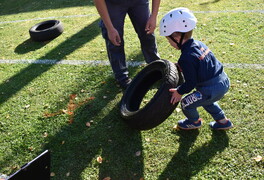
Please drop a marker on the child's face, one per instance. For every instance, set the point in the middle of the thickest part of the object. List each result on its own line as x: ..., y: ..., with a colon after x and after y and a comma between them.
x: 173, y: 44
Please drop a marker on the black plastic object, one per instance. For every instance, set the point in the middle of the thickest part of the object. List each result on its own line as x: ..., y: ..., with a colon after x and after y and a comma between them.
x: 38, y: 168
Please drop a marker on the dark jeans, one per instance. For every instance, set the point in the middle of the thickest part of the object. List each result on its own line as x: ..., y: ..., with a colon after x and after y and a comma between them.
x: 138, y: 11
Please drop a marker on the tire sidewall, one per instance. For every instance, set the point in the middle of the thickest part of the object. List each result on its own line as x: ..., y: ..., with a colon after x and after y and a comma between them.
x: 48, y: 33
x: 160, y: 102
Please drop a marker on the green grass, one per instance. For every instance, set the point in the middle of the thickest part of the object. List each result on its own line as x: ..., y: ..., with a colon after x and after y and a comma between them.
x: 28, y: 93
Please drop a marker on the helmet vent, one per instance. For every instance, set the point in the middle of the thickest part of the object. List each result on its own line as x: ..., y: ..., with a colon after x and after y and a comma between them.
x: 183, y: 21
x: 163, y: 20
x: 185, y: 25
x: 171, y: 15
x: 180, y: 12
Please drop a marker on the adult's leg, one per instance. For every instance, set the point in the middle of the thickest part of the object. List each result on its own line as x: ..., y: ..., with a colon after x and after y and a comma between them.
x: 116, y: 54
x: 139, y: 14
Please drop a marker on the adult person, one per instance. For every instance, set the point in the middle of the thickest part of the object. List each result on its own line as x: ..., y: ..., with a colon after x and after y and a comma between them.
x: 113, y: 13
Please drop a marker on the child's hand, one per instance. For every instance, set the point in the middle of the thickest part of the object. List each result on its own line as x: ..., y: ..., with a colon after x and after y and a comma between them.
x: 176, y: 97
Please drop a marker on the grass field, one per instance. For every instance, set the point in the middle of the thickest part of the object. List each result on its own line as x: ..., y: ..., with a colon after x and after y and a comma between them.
x: 73, y: 110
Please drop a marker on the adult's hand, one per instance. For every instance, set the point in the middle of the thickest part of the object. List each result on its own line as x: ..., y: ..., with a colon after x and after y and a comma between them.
x: 112, y: 33
x: 151, y: 25
x: 114, y: 37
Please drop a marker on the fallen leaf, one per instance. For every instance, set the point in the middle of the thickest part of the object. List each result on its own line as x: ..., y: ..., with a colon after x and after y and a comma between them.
x: 99, y: 159
x: 107, y: 178
x: 62, y: 142
x: 73, y: 96
x: 175, y: 128
x: 71, y: 106
x: 27, y: 106
x: 258, y: 158
x: 46, y: 115
x: 68, y: 174
x: 91, y: 98
x: 70, y: 113
x: 178, y: 109
x: 45, y: 134
x: 71, y: 120
x: 147, y: 139
x: 88, y: 124
x: 52, y: 174
x: 15, y: 167
x: 138, y: 153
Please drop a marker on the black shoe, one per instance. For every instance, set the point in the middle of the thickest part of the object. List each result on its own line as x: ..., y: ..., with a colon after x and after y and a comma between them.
x: 125, y: 83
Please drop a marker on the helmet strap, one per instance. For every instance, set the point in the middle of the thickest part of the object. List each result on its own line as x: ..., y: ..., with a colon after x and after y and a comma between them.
x: 179, y: 44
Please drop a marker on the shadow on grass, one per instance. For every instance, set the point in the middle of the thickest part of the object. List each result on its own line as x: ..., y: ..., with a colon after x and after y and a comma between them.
x: 7, y: 6
x: 107, y: 137
x: 185, y: 165
x: 75, y: 147
x: 137, y: 57
x: 29, y: 45
x: 211, y: 2
x: 26, y: 75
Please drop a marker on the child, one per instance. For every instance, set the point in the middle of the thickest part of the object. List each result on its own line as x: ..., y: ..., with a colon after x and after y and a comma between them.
x: 201, y: 70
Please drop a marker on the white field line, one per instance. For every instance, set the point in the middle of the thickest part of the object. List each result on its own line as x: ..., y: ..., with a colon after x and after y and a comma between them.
x: 130, y: 63
x: 106, y: 63
x: 87, y: 15
x: 46, y: 18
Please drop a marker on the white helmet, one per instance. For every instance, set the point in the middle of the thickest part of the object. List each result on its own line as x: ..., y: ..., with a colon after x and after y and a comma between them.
x: 177, y: 20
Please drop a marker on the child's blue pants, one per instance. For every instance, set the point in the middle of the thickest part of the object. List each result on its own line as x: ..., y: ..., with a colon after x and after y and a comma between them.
x: 207, y: 95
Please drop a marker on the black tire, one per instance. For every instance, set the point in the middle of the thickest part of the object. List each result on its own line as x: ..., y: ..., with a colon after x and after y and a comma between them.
x: 46, y: 30
x: 159, y: 108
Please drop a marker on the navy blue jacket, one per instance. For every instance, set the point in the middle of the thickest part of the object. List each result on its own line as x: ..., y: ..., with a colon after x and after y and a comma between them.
x: 198, y: 64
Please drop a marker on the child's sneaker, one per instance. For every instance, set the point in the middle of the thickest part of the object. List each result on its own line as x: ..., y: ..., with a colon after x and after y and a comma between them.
x: 221, y: 126
x: 188, y: 125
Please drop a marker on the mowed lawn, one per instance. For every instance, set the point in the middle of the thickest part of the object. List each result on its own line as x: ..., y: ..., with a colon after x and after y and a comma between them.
x: 73, y: 110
